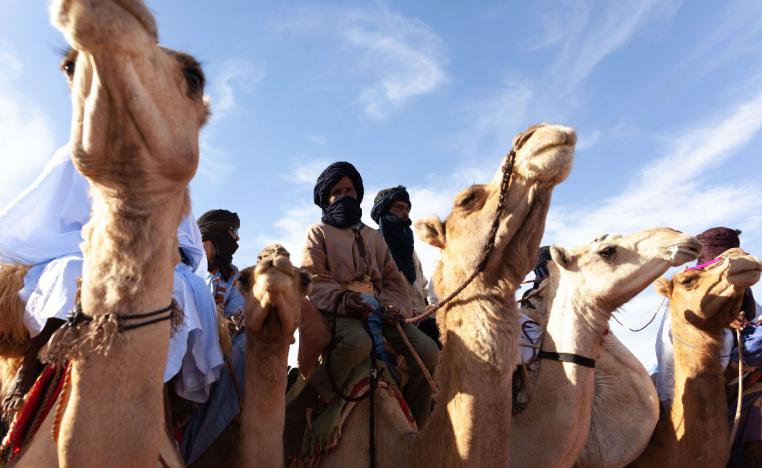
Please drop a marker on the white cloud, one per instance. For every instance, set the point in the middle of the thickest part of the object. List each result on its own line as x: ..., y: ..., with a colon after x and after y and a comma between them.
x: 26, y: 135
x: 307, y: 171
x: 597, y: 32
x: 234, y: 76
x: 402, y: 58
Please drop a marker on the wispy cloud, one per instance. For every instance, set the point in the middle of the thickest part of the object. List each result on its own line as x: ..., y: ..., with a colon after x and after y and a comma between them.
x: 26, y: 135
x: 400, y: 58
x: 594, y: 31
x: 233, y: 78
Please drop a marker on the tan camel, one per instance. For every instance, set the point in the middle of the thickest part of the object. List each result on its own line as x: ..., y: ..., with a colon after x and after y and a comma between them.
x: 471, y: 419
x: 138, y: 109
x: 585, y: 286
x: 702, y: 303
x: 273, y: 289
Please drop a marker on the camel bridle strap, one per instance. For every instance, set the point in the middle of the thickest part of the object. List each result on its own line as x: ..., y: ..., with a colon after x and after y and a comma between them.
x: 97, y: 333
x: 567, y: 357
x: 489, y: 246
x: 125, y: 322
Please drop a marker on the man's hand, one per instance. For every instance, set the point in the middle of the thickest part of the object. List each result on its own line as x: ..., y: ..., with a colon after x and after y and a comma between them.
x: 357, y: 307
x: 391, y: 314
x: 739, y: 322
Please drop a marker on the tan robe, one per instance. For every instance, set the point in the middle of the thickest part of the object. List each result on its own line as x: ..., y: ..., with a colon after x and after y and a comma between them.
x: 333, y: 258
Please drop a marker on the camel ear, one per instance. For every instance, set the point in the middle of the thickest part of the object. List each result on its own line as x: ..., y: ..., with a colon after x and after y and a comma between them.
x: 246, y: 279
x: 431, y: 231
x: 663, y: 286
x: 560, y: 256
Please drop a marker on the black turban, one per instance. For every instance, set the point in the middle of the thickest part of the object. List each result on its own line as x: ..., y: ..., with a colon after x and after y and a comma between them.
x: 216, y: 226
x: 716, y: 240
x: 385, y: 198
x: 331, y: 176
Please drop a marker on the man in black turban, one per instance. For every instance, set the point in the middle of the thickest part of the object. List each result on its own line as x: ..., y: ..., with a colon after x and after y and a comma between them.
x: 339, y: 192
x: 357, y: 287
x: 219, y: 231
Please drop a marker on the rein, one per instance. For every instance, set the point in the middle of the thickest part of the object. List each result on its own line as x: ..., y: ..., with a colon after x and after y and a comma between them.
x: 489, y: 246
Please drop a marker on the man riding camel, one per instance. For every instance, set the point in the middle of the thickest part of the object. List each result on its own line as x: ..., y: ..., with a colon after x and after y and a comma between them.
x: 354, y: 275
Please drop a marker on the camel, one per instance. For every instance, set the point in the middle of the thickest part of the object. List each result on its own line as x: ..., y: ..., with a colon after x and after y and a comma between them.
x: 585, y: 286
x: 471, y: 418
x: 702, y: 302
x: 273, y: 289
x: 137, y: 111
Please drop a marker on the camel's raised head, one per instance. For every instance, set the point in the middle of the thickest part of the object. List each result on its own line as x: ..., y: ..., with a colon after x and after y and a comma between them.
x: 138, y: 107
x: 612, y: 269
x: 709, y: 296
x: 273, y: 290
x: 540, y: 158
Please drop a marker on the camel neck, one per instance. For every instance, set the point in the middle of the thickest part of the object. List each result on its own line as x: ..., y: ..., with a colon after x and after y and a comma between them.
x: 472, y: 414
x: 264, y: 407
x: 128, y: 269
x: 574, y: 325
x: 699, y: 396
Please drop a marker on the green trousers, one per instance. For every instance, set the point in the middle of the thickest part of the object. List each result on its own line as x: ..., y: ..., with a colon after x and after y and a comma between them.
x: 352, y: 347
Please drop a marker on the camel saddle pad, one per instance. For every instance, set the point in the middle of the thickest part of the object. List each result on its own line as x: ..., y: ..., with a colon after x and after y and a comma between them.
x: 324, y: 430
x: 37, y: 404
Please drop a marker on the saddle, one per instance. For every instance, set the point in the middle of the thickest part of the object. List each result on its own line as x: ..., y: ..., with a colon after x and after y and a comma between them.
x: 325, y: 423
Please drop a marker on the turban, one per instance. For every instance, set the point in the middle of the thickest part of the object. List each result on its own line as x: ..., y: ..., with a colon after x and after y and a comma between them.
x: 215, y: 226
x: 331, y: 176
x: 385, y: 198
x: 715, y: 241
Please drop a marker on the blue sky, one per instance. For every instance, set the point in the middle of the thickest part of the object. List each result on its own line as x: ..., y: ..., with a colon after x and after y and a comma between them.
x: 666, y: 98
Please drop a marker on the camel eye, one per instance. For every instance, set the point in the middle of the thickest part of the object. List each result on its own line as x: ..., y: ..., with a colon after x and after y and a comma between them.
x: 195, y: 79
x: 68, y: 68
x: 687, y: 280
x: 467, y: 199
x: 607, y: 252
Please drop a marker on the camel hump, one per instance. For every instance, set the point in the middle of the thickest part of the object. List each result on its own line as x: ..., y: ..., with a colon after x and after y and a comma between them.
x: 14, y: 336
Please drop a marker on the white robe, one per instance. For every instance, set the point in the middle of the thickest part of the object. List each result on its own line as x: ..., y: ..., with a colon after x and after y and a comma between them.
x: 42, y: 228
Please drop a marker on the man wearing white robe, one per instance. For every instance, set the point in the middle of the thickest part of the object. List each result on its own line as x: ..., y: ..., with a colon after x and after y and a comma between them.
x: 42, y: 228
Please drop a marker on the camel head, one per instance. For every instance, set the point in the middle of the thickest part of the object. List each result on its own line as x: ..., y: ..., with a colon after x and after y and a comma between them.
x: 709, y: 297
x: 137, y: 106
x: 273, y: 290
x: 543, y: 159
x: 612, y: 269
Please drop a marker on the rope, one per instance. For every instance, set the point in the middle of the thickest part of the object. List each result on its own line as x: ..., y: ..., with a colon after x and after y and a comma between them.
x: 650, y: 321
x: 418, y: 360
x: 737, y: 418
x: 490, y: 244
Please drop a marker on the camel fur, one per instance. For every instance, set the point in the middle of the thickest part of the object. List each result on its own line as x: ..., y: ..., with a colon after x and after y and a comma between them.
x: 702, y: 302
x: 585, y: 286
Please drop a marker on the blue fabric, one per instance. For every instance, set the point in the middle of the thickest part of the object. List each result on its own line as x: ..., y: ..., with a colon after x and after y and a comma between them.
x: 376, y: 328
x: 233, y: 300
x: 751, y: 336
x: 211, y: 418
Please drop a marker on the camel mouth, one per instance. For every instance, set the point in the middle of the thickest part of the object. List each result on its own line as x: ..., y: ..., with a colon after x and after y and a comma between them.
x: 745, y: 277
x: 553, y: 138
x: 685, y: 252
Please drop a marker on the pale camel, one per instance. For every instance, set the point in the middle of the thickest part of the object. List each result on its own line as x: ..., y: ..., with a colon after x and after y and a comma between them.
x: 702, y: 302
x: 585, y: 286
x: 138, y: 109
x: 472, y: 416
x: 273, y: 289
